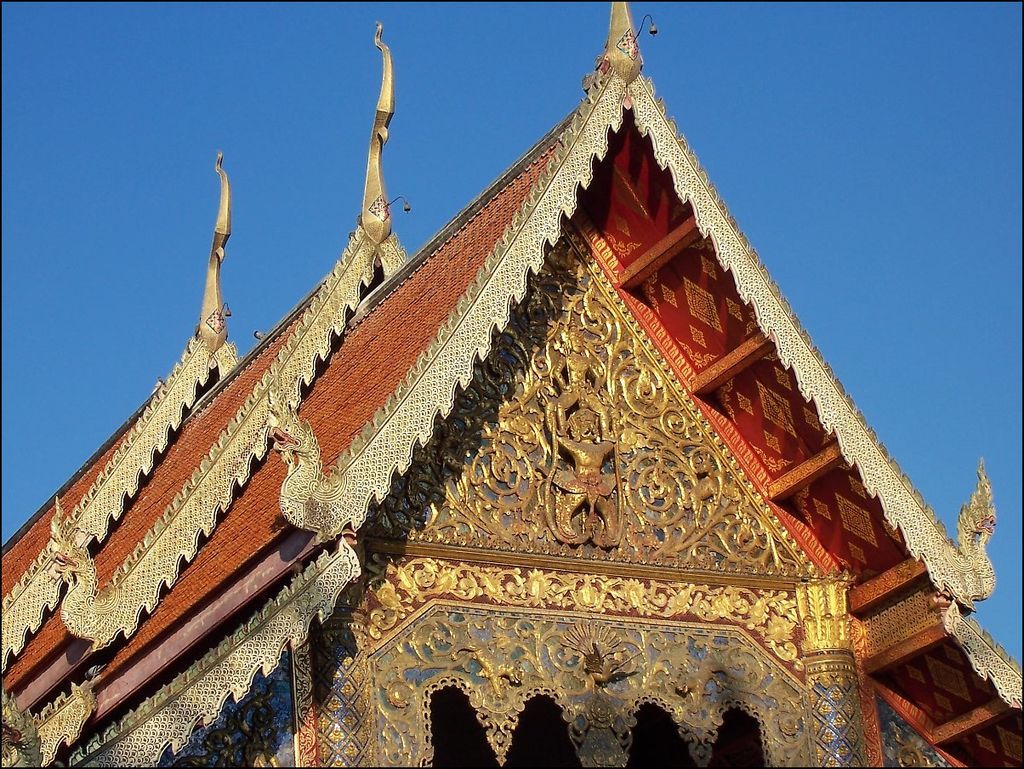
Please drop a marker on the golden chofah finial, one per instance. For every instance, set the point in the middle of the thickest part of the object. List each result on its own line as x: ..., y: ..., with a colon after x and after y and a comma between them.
x: 376, y: 215
x: 213, y: 327
x: 622, y: 52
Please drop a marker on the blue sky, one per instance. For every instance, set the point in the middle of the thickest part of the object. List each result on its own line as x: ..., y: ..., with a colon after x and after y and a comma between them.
x: 871, y: 154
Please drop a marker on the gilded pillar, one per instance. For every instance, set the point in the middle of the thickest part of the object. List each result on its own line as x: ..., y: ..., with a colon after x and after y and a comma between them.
x: 341, y: 685
x: 831, y: 673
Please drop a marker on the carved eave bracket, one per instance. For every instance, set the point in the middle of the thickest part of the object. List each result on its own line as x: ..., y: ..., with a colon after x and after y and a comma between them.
x: 622, y: 51
x: 21, y: 746
x: 213, y: 329
x: 376, y: 214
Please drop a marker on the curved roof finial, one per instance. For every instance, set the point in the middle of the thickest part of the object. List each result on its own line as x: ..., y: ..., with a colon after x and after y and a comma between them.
x: 376, y: 215
x: 213, y: 328
x: 622, y: 52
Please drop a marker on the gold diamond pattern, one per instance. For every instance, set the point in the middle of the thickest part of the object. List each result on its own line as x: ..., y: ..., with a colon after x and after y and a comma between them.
x: 744, y: 403
x: 822, y: 509
x: 782, y: 377
x: 776, y: 409
x: 698, y: 337
x: 707, y: 266
x: 916, y: 674
x: 734, y: 309
x: 856, y: 553
x: 856, y: 520
x: 702, y: 304
x: 669, y: 295
x: 811, y: 418
x: 857, y: 487
x: 943, y: 701
x: 772, y: 442
x: 947, y: 678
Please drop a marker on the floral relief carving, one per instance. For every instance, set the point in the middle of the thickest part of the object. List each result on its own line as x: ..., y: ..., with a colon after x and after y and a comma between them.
x: 543, y: 654
x: 572, y: 439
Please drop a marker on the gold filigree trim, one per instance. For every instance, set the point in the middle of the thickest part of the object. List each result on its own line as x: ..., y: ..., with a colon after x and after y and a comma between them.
x: 135, y: 588
x: 825, y: 615
x: 903, y: 506
x: 61, y: 722
x: 902, y: 620
x: 197, y: 695
x: 598, y: 669
x: 37, y: 591
x: 573, y: 439
x: 988, y: 658
x: 770, y: 615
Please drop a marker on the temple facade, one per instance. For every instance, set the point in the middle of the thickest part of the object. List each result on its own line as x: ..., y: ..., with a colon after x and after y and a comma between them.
x: 569, y: 486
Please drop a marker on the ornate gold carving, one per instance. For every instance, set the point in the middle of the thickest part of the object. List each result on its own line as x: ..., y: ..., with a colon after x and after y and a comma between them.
x: 573, y: 439
x: 376, y: 215
x: 583, y: 488
x: 621, y: 52
x: 309, y: 500
x: 198, y: 694
x: 498, y: 675
x: 38, y: 589
x: 213, y: 329
x: 306, y: 714
x: 604, y: 658
x: 964, y: 572
x: 989, y: 659
x: 770, y: 614
x: 21, y: 744
x: 61, y: 722
x: 825, y: 615
x: 975, y: 524
x: 387, y: 442
x: 552, y: 655
x: 900, y: 621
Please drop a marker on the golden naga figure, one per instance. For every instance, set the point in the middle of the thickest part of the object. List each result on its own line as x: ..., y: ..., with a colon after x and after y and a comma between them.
x: 309, y: 499
x: 975, y: 525
x: 20, y: 738
x: 582, y: 501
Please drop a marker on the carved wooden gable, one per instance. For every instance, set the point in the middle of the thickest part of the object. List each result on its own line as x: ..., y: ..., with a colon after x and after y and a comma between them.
x: 574, y: 439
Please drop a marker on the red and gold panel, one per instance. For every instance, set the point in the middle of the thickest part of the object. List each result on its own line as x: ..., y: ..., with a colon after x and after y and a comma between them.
x: 696, y: 300
x: 850, y: 523
x: 631, y: 200
x: 765, y: 404
x: 942, y: 683
x: 996, y: 745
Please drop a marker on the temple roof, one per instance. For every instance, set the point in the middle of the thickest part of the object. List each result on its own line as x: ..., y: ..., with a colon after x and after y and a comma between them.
x: 370, y: 382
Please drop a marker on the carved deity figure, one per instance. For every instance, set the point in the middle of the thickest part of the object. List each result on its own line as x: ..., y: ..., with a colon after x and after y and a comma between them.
x: 582, y: 500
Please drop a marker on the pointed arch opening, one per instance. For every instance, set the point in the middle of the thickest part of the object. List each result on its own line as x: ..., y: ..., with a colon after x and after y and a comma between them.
x: 456, y: 733
x: 542, y: 737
